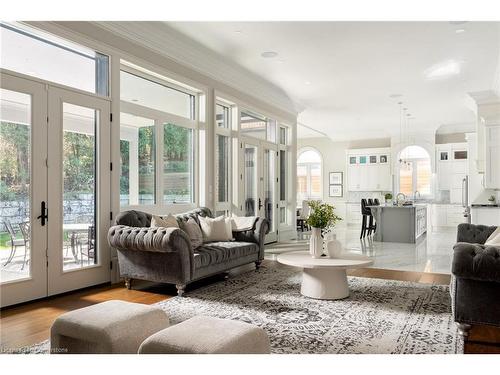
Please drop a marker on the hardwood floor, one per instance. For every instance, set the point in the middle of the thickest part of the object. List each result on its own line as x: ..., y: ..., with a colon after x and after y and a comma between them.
x: 30, y: 323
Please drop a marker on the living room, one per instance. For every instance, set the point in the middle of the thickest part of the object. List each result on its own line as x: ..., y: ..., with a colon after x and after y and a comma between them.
x: 247, y: 185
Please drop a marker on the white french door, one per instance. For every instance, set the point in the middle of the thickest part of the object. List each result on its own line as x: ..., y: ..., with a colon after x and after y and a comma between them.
x: 23, y: 147
x: 260, y: 183
x: 78, y: 198
x: 55, y: 198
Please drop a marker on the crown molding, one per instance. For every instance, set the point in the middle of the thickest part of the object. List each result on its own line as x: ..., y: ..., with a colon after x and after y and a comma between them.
x: 165, y: 41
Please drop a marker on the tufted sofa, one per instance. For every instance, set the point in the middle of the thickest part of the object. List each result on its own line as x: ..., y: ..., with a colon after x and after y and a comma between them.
x: 165, y: 254
x: 475, y: 281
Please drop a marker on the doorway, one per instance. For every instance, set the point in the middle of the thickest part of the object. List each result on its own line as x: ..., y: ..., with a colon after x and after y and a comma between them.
x: 55, y: 189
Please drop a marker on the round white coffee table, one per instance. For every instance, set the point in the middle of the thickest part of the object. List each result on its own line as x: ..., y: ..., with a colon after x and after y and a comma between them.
x: 324, y: 278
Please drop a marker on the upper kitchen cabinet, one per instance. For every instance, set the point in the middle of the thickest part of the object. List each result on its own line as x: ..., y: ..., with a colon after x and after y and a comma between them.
x: 451, y: 167
x: 369, y: 169
x: 492, y: 172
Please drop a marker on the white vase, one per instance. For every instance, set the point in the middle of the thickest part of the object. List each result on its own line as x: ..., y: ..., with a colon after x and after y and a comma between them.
x: 316, y: 243
x: 334, y: 247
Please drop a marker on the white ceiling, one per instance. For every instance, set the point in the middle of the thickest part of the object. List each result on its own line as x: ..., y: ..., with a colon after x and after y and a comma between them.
x: 344, y: 72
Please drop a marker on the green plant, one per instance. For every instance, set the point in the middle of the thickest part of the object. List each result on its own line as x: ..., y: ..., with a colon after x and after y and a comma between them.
x: 322, y: 215
x: 388, y: 196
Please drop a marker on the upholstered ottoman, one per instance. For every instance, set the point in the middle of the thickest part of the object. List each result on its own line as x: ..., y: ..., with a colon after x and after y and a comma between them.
x: 108, y: 327
x: 206, y: 335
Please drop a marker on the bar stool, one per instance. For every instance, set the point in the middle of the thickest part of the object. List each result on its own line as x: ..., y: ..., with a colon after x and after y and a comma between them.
x: 372, y: 224
x: 366, y: 212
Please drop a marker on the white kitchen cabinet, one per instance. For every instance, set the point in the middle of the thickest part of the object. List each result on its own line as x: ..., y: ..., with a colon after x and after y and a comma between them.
x: 447, y: 215
x: 353, y: 213
x: 492, y: 173
x: 485, y: 215
x: 369, y: 170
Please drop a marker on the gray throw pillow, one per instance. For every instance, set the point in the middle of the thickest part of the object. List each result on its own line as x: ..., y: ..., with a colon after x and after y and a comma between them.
x: 193, y: 231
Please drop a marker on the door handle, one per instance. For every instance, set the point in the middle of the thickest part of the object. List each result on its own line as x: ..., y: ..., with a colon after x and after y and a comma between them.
x: 44, y: 213
x: 260, y: 204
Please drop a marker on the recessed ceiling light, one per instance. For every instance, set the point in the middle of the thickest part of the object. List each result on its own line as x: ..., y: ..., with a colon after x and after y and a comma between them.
x: 307, y: 82
x: 460, y: 31
x: 269, y: 54
x: 443, y: 70
x: 135, y: 100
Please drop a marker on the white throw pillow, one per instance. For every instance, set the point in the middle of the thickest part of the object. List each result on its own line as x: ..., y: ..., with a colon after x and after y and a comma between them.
x: 215, y: 229
x: 494, y: 238
x: 166, y: 222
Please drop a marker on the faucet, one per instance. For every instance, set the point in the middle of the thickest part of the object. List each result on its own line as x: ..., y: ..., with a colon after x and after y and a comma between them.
x: 397, y: 197
x: 415, y: 195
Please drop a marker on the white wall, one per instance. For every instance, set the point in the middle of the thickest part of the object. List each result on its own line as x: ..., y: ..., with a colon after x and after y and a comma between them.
x: 334, y: 160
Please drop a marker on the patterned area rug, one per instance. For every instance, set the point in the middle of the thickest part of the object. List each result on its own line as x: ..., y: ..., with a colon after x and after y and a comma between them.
x: 380, y: 316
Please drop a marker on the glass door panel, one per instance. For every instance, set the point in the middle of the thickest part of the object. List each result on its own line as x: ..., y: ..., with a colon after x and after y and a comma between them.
x: 79, y: 186
x: 269, y: 184
x: 23, y: 186
x: 251, y: 193
x: 78, y: 160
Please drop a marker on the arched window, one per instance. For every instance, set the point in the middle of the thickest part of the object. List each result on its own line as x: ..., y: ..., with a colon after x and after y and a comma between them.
x: 308, y: 175
x: 414, y: 171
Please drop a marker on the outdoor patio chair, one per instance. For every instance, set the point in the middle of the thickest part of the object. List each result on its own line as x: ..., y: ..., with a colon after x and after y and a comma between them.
x: 14, y: 242
x: 26, y: 231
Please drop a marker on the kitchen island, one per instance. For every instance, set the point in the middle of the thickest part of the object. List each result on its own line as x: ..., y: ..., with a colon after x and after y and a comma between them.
x: 399, y: 223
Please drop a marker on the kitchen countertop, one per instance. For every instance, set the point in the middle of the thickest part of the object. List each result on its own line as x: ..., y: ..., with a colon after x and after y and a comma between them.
x: 392, y: 206
x: 486, y: 205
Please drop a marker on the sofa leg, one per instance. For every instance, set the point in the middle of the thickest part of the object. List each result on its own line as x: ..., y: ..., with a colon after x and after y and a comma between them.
x: 464, y: 329
x: 257, y: 264
x: 181, y: 288
x: 128, y: 283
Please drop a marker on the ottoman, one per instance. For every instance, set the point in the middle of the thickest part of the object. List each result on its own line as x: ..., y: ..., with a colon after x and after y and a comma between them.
x: 206, y: 335
x: 108, y: 327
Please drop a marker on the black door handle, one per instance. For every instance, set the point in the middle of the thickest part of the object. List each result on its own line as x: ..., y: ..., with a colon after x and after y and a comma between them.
x: 45, y: 213
x: 260, y: 204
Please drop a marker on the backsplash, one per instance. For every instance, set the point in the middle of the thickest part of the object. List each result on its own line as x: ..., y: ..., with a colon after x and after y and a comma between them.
x: 356, y: 196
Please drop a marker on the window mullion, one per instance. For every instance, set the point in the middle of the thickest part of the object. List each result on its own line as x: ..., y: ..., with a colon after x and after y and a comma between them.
x: 159, y: 145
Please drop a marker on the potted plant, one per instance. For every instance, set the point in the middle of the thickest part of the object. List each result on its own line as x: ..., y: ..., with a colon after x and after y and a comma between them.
x: 321, y: 218
x: 388, y: 198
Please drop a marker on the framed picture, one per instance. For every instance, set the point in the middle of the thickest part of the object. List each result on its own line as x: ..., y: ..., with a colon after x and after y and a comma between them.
x: 352, y: 159
x: 335, y: 191
x: 336, y: 178
x: 362, y: 160
x: 373, y: 159
x: 383, y: 158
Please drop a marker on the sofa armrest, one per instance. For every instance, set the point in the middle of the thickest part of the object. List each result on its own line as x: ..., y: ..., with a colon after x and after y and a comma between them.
x: 123, y: 237
x: 256, y: 235
x: 477, y: 262
x: 474, y: 233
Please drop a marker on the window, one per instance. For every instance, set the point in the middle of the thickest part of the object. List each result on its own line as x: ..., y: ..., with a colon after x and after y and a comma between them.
x: 148, y: 129
x: 222, y: 114
x: 177, y: 164
x: 283, y: 169
x: 283, y: 136
x: 35, y: 53
x: 223, y: 155
x: 258, y: 126
x: 308, y: 175
x: 415, y: 171
x: 137, y: 155
x: 222, y: 168
x: 151, y: 94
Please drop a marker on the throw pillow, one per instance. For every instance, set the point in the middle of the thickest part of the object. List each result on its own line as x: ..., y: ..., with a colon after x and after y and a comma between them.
x: 215, y: 229
x: 193, y: 231
x: 166, y: 222
x: 494, y: 238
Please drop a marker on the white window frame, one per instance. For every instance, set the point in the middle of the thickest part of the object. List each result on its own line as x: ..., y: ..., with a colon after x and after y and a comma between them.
x: 226, y: 132
x: 308, y: 178
x: 161, y: 118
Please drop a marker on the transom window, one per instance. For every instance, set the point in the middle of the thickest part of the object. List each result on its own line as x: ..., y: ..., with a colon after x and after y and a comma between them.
x: 38, y: 54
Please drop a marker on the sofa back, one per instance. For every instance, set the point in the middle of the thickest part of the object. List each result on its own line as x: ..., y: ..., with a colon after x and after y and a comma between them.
x: 133, y: 218
x: 472, y: 233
